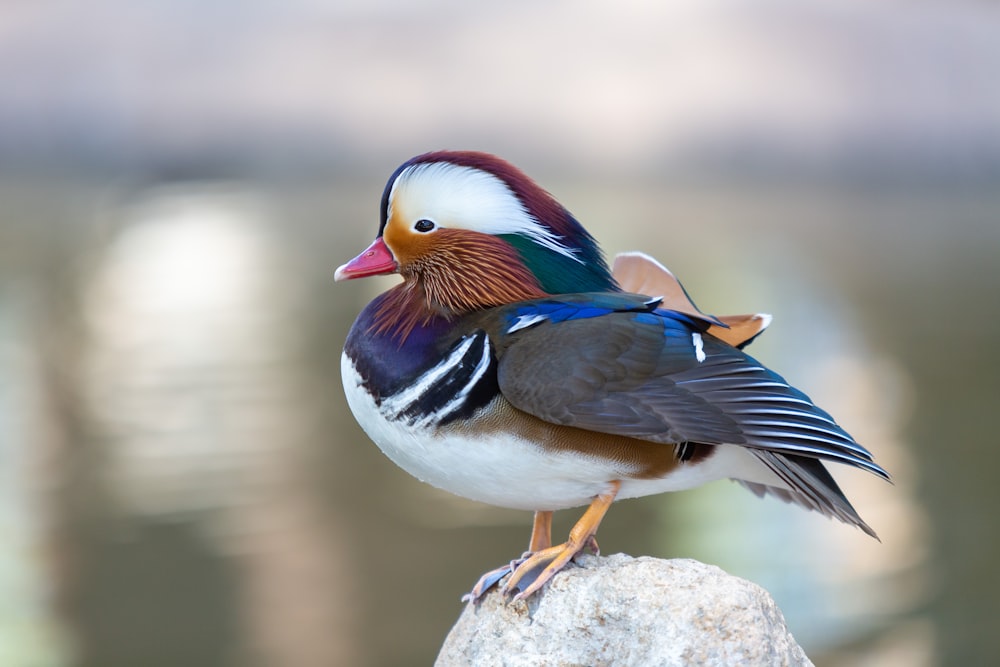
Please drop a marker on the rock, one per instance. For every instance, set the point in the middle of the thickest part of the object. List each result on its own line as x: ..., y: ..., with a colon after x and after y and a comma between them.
x: 620, y: 611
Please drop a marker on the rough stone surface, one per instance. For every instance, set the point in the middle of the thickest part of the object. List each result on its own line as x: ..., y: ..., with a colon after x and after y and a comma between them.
x: 623, y: 611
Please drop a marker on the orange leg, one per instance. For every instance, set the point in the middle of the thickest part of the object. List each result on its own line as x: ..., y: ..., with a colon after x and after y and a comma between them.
x: 542, y: 565
x: 541, y: 538
x: 541, y: 532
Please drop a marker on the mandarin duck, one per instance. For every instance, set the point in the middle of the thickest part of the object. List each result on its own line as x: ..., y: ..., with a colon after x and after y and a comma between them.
x: 513, y: 367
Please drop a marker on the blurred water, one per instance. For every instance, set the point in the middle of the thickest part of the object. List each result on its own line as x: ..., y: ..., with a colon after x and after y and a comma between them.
x: 196, y: 382
x: 180, y: 479
x: 193, y: 490
x: 28, y: 633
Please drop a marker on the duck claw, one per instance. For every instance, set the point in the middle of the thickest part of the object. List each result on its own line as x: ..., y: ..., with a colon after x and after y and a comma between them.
x: 492, y: 578
x: 534, y: 569
x: 485, y: 583
x: 538, y: 569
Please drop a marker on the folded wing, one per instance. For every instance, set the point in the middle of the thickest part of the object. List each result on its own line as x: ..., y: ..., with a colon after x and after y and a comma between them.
x: 660, y: 376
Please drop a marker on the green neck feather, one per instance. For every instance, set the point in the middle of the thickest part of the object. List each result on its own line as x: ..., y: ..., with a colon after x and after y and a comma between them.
x: 559, y: 274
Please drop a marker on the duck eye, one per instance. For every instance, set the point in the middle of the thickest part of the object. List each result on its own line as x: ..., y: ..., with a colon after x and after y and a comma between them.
x: 423, y: 225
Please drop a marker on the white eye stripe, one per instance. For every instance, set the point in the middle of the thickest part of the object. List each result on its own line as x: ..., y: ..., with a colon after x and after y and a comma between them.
x: 460, y: 197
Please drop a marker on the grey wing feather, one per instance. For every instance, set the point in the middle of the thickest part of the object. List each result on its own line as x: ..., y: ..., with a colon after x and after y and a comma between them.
x: 615, y: 375
x: 810, y: 485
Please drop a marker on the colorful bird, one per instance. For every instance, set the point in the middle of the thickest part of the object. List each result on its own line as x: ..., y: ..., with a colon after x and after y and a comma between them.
x: 511, y: 367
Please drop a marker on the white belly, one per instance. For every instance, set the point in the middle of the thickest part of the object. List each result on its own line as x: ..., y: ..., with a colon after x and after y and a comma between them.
x: 509, y: 471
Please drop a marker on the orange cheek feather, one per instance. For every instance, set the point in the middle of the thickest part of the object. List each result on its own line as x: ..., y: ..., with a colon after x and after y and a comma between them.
x: 459, y: 270
x: 405, y: 244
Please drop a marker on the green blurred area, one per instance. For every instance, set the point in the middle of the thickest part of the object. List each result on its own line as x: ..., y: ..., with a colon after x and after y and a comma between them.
x: 181, y: 481
x: 169, y: 513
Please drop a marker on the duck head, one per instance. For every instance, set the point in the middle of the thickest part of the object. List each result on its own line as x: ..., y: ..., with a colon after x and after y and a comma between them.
x: 467, y: 231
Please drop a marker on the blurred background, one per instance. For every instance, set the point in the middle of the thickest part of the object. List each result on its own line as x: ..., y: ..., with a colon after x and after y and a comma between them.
x: 180, y: 480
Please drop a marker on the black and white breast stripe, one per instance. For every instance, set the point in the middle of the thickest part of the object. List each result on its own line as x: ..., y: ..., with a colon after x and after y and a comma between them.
x: 454, y: 388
